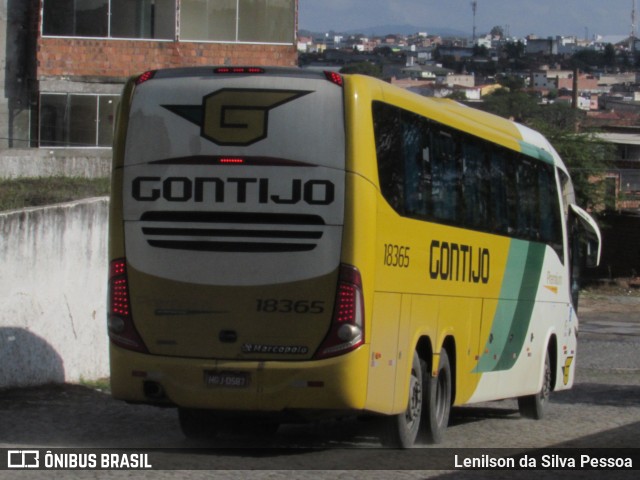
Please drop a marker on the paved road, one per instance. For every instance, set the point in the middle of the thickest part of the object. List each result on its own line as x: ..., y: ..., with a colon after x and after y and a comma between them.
x: 602, y: 410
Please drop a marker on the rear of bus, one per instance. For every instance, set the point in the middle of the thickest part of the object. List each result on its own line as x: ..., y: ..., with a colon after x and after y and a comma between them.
x: 228, y: 289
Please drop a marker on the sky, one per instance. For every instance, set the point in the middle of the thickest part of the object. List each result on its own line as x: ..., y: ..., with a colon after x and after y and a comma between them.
x: 519, y: 18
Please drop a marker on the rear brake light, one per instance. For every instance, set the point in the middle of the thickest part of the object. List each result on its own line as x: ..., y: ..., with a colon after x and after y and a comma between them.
x: 122, y: 331
x: 148, y: 75
x: 231, y: 161
x: 347, y: 325
x: 335, y: 78
x: 238, y: 70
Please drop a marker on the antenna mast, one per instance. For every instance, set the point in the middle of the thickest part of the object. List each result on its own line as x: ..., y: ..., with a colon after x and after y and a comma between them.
x: 633, y: 18
x: 632, y: 40
x: 474, y: 7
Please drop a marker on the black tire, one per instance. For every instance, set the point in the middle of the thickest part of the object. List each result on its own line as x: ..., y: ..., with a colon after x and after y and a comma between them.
x: 535, y: 406
x: 401, y: 431
x: 437, y: 405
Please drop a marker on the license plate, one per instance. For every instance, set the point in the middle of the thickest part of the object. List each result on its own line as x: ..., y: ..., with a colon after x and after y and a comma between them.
x: 227, y: 379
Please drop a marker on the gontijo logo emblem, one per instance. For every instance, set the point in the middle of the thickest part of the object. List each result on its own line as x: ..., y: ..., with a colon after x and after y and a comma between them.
x: 235, y: 116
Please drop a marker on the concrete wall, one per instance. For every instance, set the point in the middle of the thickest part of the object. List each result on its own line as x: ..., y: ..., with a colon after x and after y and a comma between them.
x: 43, y: 162
x: 53, y: 300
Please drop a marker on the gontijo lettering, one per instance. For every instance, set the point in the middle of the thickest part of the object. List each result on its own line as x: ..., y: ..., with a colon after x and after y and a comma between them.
x: 459, y: 263
x: 217, y: 190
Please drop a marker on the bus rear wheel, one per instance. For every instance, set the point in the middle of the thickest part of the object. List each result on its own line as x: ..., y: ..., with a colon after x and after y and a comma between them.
x: 535, y: 406
x: 438, y: 401
x: 401, y: 431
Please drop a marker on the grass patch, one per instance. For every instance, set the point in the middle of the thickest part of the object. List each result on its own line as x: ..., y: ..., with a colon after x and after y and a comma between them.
x: 34, y: 192
x: 100, y: 384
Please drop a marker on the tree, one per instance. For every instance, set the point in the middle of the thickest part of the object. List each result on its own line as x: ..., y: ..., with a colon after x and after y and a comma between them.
x: 609, y: 55
x: 515, y: 50
x: 587, y: 60
x: 497, y: 32
x: 518, y: 106
x: 512, y: 83
x: 363, y: 68
x: 480, y: 51
x: 586, y: 157
x: 458, y: 96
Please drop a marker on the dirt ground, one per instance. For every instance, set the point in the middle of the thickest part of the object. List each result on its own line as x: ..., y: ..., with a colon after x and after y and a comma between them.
x: 615, y: 296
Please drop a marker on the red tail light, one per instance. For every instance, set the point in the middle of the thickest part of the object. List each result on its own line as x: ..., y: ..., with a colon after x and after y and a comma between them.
x: 347, y: 326
x: 122, y: 331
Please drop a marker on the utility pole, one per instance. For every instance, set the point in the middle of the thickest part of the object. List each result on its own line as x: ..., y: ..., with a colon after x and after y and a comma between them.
x: 633, y: 27
x: 633, y: 18
x: 474, y: 7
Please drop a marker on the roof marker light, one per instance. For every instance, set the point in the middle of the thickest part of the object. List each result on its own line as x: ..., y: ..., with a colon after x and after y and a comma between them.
x: 334, y: 77
x: 238, y: 70
x: 148, y: 75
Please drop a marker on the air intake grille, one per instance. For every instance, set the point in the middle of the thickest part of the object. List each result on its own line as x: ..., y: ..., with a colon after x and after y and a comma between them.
x: 232, y: 231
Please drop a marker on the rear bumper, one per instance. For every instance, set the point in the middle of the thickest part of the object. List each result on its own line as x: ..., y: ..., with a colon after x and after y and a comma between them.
x: 338, y: 383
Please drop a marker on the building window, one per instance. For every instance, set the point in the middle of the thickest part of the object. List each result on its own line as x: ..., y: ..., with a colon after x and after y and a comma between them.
x: 213, y: 20
x: 143, y: 19
x: 244, y: 21
x: 250, y: 21
x: 77, y: 18
x: 90, y: 18
x: 266, y: 21
x: 77, y: 120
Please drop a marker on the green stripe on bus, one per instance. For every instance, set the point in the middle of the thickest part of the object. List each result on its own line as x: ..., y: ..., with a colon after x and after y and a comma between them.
x: 510, y: 323
x: 536, y: 152
x: 524, y: 309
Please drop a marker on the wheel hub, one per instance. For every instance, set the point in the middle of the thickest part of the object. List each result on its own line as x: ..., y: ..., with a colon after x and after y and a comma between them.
x: 415, y: 400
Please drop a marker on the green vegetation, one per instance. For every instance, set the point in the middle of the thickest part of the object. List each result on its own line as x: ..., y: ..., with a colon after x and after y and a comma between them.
x: 586, y: 157
x: 364, y: 68
x: 33, y: 192
x: 100, y: 384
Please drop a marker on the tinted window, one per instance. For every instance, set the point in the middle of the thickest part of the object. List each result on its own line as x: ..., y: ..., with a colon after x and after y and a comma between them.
x: 70, y: 120
x: 433, y: 172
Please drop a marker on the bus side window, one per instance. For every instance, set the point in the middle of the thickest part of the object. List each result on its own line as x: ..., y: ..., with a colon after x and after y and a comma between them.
x: 501, y: 185
x: 415, y: 167
x: 388, y: 135
x: 445, y: 162
x: 475, y: 185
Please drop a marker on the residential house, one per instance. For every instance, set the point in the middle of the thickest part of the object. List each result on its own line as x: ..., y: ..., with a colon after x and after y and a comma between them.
x: 624, y: 179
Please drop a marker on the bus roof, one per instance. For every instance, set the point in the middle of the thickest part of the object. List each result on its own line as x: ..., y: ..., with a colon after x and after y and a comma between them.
x: 532, y: 142
x: 529, y: 141
x: 477, y: 122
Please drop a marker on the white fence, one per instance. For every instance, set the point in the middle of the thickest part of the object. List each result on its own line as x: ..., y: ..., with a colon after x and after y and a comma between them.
x: 53, y: 279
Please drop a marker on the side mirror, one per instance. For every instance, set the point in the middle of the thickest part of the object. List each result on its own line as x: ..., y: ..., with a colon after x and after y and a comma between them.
x: 588, y: 238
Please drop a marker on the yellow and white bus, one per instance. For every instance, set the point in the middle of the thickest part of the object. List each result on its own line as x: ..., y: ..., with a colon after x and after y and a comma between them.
x: 286, y: 243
